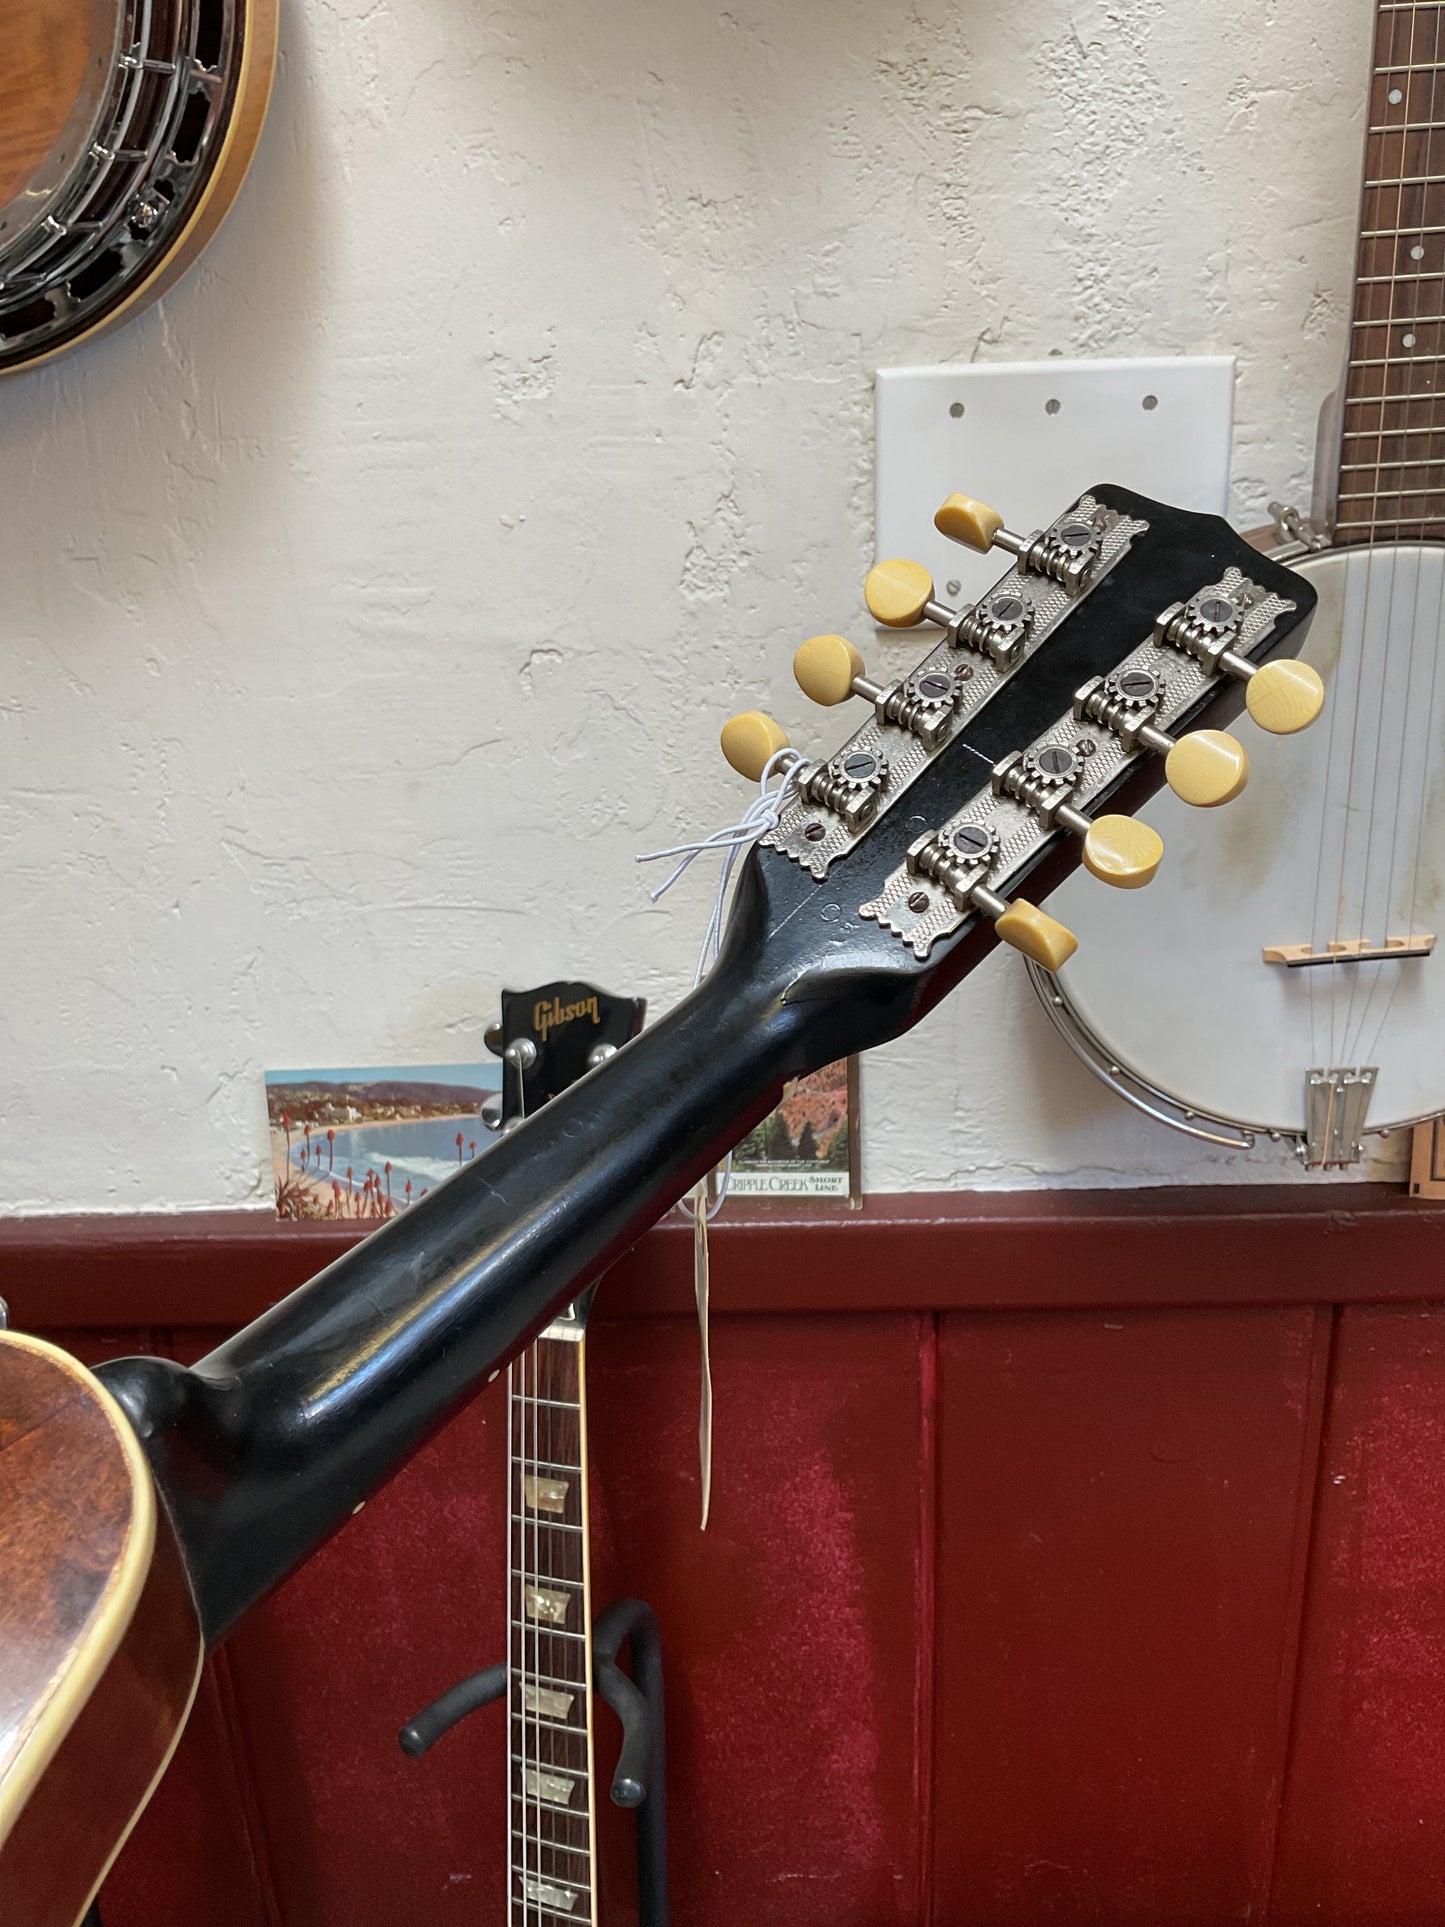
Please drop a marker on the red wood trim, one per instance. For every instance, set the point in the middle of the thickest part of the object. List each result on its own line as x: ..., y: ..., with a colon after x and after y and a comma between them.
x: 954, y: 1251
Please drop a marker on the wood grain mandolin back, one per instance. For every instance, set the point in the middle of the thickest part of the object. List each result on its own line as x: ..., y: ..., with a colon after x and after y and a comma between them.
x: 101, y: 1640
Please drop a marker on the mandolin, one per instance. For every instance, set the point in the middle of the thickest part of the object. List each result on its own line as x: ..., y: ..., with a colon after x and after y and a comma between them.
x: 126, y: 130
x: 1035, y: 721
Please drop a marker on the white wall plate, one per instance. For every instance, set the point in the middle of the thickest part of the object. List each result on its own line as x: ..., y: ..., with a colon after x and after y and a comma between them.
x: 1029, y: 436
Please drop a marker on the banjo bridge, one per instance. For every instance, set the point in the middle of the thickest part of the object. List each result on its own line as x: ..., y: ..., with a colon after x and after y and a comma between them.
x: 1304, y: 956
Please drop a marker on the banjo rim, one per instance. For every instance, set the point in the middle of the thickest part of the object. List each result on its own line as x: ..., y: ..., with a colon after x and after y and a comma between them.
x: 199, y: 210
x: 1112, y: 1067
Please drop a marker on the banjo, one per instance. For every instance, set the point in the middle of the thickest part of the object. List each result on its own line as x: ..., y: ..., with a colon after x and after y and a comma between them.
x: 145, y: 1506
x: 126, y: 129
x: 1315, y: 926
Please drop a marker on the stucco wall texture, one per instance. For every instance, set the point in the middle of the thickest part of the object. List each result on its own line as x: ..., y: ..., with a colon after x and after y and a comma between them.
x: 372, y: 601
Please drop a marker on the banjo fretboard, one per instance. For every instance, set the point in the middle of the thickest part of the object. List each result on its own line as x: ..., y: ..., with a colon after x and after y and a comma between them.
x: 1392, y: 451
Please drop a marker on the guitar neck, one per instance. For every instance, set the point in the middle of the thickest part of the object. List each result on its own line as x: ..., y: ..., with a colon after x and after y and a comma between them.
x: 551, y: 1865
x: 1391, y: 483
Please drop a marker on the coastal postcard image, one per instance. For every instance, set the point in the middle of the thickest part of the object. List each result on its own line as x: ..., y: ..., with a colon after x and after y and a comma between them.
x: 367, y: 1143
x: 808, y: 1146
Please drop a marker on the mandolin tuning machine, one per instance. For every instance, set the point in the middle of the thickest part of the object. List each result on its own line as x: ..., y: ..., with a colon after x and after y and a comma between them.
x: 1281, y: 696
x: 1118, y: 850
x: 1068, y: 551
x: 829, y: 670
x: 941, y: 883
x: 1204, y: 768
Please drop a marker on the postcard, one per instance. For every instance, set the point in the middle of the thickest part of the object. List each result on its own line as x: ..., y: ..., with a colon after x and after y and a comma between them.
x: 808, y: 1146
x: 367, y: 1143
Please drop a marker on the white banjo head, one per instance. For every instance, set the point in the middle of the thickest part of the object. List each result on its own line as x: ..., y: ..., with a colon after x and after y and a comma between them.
x: 1340, y: 837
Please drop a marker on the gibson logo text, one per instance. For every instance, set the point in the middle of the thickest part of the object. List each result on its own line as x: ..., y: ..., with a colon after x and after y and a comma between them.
x: 552, y: 1014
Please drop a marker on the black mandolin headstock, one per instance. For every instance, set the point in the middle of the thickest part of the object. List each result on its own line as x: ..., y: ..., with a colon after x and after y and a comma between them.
x: 1098, y: 667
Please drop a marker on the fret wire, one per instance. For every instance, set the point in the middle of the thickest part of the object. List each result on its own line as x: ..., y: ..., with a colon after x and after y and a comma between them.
x: 558, y: 1579
x: 1406, y: 180
x: 1399, y: 233
x: 552, y: 1726
x: 541, y: 1907
x: 1395, y: 522
x: 1376, y: 280
x: 1403, y: 320
x: 1370, y: 434
x: 1408, y: 127
x: 555, y: 1846
x: 1374, y: 401
x: 534, y: 1519
x: 1408, y: 67
x: 1379, y: 494
x: 535, y: 1678
x: 560, y: 1632
x: 1375, y: 468
x: 560, y: 1404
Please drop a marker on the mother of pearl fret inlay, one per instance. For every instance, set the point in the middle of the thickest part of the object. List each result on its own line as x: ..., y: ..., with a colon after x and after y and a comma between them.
x: 542, y: 1893
x: 544, y: 1495
x: 548, y: 1704
x: 556, y: 1788
x: 543, y: 1604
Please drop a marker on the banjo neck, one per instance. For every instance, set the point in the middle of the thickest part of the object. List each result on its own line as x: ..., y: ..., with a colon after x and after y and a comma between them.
x: 1391, y: 479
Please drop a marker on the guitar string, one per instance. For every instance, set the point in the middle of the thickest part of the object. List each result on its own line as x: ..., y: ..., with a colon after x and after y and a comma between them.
x: 1426, y: 555
x: 1384, y: 32
x: 517, y: 1679
x: 540, y: 1394
x: 528, y: 1827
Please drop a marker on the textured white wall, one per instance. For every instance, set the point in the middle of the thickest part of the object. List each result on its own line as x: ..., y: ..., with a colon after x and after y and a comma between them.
x: 368, y: 604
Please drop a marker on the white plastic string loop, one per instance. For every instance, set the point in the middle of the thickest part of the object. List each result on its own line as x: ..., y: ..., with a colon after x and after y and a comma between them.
x: 706, y: 1200
x: 761, y: 815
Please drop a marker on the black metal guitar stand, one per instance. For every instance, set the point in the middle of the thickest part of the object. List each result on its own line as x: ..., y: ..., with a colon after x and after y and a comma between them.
x: 640, y: 1780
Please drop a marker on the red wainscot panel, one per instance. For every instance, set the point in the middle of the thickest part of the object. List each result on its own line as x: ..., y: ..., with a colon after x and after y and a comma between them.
x: 1123, y: 1515
x: 1363, y: 1835
x: 793, y: 1628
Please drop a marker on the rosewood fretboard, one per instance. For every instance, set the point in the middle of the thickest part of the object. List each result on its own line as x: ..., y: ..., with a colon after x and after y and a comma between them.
x: 549, y: 1689
x: 1392, y: 452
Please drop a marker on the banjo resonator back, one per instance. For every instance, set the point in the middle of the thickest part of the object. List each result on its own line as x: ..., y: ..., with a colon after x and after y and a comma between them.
x: 128, y: 127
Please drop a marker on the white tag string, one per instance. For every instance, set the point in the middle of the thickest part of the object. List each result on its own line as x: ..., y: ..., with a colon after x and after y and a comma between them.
x: 706, y: 1200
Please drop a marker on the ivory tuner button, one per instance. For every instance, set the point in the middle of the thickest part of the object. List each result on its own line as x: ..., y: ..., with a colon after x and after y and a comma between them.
x: 897, y: 592
x: 825, y: 667
x: 974, y: 524
x: 1284, y: 696
x: 1206, y: 768
x: 750, y: 740
x: 1123, y: 851
x: 1036, y: 934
